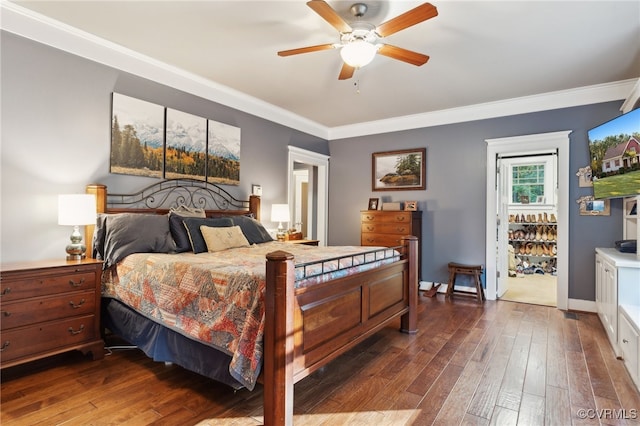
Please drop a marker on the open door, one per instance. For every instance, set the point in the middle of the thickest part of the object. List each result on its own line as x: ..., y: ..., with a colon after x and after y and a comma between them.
x: 502, y: 227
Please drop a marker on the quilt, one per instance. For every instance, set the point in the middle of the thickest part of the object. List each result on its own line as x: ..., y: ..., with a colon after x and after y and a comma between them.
x: 218, y: 298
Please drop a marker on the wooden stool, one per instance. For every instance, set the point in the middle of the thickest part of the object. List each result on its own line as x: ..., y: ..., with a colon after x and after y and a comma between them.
x: 473, y: 270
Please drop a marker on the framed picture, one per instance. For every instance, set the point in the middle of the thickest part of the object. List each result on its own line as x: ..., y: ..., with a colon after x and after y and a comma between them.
x: 402, y: 170
x: 137, y: 137
x: 223, y: 154
x: 186, y: 146
x: 373, y: 203
x: 411, y: 205
x: 591, y: 207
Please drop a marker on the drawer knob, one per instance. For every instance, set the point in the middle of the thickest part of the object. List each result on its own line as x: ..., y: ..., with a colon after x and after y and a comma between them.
x: 625, y: 341
x: 6, y: 291
x: 6, y: 313
x: 76, y: 305
x: 370, y: 228
x: 5, y: 345
x: 72, y: 331
x: 400, y: 218
x: 76, y: 284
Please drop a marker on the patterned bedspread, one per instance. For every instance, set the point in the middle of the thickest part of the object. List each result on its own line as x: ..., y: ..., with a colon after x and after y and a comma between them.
x: 217, y: 298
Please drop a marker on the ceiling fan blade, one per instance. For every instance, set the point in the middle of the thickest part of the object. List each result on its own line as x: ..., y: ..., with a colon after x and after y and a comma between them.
x: 403, y: 55
x: 346, y: 72
x: 407, y: 19
x: 306, y: 49
x: 327, y: 13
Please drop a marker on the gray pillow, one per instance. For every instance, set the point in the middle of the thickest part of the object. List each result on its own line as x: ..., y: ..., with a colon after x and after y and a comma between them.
x: 252, y: 229
x: 128, y: 233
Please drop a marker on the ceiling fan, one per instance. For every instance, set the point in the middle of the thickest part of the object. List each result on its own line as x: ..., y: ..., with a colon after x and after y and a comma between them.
x: 359, y: 41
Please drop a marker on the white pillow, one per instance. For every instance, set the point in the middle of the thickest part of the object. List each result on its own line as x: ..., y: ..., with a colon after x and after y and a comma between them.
x: 223, y: 238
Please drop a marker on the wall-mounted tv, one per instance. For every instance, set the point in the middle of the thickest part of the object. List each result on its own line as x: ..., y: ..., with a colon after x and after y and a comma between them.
x: 615, y: 156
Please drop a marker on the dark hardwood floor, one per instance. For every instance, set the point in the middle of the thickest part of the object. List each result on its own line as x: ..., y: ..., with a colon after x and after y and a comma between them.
x: 501, y: 363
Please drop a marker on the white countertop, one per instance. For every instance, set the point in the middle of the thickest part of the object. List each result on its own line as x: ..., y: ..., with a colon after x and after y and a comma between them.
x: 619, y: 259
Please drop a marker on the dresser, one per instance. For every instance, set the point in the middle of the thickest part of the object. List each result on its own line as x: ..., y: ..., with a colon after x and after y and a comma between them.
x: 49, y: 307
x: 387, y: 227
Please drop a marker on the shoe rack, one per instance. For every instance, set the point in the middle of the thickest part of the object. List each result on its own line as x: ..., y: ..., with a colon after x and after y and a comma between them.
x: 533, y: 235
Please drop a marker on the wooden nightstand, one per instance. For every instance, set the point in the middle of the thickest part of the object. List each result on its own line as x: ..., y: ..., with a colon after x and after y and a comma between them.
x: 305, y: 242
x: 49, y: 307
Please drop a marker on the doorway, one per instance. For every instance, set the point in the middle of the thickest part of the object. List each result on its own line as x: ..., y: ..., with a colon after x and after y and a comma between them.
x: 531, y: 205
x: 309, y: 170
x: 497, y: 226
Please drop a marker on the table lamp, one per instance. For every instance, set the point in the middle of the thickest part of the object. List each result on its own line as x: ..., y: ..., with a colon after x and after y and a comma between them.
x: 76, y: 210
x: 280, y: 213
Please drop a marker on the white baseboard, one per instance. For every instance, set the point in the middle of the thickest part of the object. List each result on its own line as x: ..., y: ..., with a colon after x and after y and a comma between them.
x: 582, y: 305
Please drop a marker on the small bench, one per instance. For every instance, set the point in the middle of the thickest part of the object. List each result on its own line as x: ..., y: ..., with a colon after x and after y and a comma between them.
x: 473, y: 270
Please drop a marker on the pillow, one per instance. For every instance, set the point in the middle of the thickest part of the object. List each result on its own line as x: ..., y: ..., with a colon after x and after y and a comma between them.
x: 193, y: 224
x: 128, y: 233
x: 252, y: 229
x: 179, y: 232
x: 186, y: 211
x: 223, y: 238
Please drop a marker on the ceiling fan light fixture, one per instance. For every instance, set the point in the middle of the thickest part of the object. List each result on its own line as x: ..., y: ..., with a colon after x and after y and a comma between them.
x: 358, y: 53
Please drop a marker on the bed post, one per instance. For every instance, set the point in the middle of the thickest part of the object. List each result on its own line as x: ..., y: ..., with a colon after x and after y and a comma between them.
x: 409, y: 321
x: 278, y: 340
x: 254, y: 206
x: 100, y: 191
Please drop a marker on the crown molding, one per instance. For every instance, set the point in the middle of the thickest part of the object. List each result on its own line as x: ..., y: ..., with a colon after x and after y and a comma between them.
x: 42, y: 29
x: 542, y: 102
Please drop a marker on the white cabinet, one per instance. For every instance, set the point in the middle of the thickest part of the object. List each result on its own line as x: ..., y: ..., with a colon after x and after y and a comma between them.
x: 607, y: 297
x: 618, y: 284
x: 629, y: 337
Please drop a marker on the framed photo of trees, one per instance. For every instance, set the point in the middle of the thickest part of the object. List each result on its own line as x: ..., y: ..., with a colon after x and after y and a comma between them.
x: 153, y: 141
x: 399, y: 170
x: 137, y: 137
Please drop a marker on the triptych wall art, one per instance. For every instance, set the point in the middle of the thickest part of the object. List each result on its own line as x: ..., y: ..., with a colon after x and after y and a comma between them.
x: 154, y: 141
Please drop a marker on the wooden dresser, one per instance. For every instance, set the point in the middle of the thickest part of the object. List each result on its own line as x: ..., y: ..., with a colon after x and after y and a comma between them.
x: 386, y: 228
x: 49, y: 307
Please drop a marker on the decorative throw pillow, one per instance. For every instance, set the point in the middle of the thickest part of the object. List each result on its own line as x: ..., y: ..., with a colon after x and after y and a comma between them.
x: 193, y: 224
x: 223, y: 238
x: 186, y: 211
x: 252, y: 229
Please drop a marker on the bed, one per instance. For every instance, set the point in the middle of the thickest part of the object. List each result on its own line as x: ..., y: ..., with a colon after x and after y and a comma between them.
x: 264, y: 312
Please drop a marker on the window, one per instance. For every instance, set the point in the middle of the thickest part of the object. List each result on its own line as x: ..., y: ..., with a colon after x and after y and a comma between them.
x: 527, y: 182
x: 532, y: 179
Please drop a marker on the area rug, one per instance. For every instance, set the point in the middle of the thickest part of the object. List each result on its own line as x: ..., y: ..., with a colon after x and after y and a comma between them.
x: 535, y: 289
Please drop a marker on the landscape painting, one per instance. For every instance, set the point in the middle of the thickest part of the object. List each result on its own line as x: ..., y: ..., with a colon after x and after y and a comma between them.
x: 186, y: 148
x: 399, y: 170
x: 223, y: 154
x: 137, y: 137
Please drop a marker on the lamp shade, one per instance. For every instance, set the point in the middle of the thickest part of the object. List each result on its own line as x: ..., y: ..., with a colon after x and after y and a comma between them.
x: 280, y: 213
x: 358, y: 53
x: 76, y: 209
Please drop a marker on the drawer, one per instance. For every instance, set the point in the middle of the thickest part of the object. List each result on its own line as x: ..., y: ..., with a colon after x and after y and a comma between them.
x: 48, y: 284
x: 41, y: 309
x: 386, y: 217
x: 387, y: 228
x: 383, y: 240
x: 44, y: 337
x: 629, y: 339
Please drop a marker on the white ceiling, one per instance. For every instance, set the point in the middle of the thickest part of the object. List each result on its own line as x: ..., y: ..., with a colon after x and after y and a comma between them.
x: 480, y: 51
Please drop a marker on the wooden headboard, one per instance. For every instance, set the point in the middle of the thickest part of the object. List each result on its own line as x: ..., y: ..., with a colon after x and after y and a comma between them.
x: 160, y: 197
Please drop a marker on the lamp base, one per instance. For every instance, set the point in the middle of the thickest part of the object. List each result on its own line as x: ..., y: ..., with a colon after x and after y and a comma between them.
x: 76, y: 250
x: 76, y: 256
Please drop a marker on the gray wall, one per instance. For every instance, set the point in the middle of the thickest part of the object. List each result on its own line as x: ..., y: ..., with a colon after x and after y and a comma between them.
x: 56, y: 123
x: 453, y: 204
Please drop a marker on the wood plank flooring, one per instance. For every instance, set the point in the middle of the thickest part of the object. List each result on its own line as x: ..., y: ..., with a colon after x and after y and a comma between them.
x: 501, y: 363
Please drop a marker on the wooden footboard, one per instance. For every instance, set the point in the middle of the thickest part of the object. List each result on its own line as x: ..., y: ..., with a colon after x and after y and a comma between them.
x: 309, y: 327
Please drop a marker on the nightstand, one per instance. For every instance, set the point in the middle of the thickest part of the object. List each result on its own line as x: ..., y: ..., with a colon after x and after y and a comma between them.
x: 305, y: 242
x: 49, y: 307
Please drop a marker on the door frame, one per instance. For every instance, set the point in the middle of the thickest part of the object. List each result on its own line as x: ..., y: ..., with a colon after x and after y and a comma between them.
x: 321, y: 162
x: 558, y: 141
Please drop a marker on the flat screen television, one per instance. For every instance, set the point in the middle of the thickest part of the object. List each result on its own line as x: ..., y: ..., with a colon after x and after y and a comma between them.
x: 614, y: 148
